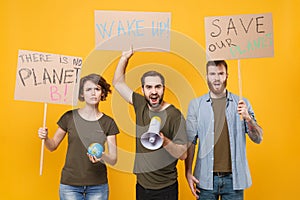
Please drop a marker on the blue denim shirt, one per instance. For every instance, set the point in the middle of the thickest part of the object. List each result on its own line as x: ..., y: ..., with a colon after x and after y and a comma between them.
x: 200, y: 123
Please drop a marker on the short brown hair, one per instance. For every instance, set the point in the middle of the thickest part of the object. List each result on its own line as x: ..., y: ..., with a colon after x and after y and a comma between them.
x: 152, y: 73
x: 98, y: 80
x: 216, y: 63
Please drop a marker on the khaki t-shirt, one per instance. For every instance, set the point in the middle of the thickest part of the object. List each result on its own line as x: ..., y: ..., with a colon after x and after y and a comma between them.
x: 222, y: 158
x: 156, y: 169
x: 78, y: 169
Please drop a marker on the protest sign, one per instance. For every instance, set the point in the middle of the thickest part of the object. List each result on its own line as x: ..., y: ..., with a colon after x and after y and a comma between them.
x: 48, y: 78
x: 239, y: 36
x: 145, y: 31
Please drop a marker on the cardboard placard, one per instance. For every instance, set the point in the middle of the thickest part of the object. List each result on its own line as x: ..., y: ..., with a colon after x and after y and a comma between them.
x: 239, y: 36
x: 48, y: 78
x: 145, y: 31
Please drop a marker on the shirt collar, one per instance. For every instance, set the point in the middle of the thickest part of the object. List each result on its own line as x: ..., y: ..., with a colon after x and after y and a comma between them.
x: 228, y: 95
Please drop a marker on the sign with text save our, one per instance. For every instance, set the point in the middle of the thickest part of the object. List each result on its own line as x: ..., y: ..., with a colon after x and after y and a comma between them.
x: 48, y: 78
x: 239, y: 36
x: 145, y: 31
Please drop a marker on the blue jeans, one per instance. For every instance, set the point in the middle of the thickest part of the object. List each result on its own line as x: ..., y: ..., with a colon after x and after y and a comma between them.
x: 93, y: 192
x: 222, y: 188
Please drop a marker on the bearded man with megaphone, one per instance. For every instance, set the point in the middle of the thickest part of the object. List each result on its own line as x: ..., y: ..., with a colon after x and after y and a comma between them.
x: 158, y: 151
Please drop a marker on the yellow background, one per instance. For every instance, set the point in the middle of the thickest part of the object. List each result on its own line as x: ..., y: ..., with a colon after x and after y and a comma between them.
x: 66, y: 27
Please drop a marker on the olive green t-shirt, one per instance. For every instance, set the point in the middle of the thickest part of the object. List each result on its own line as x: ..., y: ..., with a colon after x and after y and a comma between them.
x: 222, y: 158
x: 156, y: 169
x: 78, y: 169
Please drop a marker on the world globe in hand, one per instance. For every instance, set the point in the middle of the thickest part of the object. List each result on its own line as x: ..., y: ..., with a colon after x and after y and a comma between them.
x: 95, y: 149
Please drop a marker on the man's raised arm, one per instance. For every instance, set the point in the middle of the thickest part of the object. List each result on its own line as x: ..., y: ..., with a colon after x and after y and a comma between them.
x: 119, y: 77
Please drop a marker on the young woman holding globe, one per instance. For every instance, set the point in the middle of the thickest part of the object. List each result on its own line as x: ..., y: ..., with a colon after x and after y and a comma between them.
x: 84, y: 175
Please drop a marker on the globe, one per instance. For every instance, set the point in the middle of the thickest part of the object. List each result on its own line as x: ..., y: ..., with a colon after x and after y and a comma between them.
x: 95, y: 149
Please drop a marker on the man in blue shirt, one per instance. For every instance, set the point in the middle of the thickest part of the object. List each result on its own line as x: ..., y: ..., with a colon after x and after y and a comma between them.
x: 220, y: 121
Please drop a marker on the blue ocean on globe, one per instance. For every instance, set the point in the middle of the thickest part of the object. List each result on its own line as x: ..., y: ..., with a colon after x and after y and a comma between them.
x: 95, y: 149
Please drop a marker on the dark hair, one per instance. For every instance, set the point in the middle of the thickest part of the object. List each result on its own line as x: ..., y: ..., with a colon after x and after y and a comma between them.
x: 216, y: 63
x: 152, y: 73
x: 98, y: 80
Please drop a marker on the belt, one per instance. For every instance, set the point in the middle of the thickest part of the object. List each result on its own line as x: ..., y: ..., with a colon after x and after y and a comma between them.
x: 220, y: 174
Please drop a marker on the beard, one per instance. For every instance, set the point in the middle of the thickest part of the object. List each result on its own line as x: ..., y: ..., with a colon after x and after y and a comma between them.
x: 219, y: 90
x: 154, y: 105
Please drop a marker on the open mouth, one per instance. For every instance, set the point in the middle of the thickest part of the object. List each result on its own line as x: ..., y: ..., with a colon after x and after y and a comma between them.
x: 217, y: 85
x: 154, y: 99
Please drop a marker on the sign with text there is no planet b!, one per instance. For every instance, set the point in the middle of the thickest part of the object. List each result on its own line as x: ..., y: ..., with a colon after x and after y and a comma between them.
x: 144, y: 31
x: 48, y: 78
x: 239, y: 36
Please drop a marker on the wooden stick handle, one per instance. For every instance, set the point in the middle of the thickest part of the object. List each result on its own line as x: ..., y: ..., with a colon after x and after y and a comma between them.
x: 240, y: 80
x: 43, y: 140
x: 240, y: 84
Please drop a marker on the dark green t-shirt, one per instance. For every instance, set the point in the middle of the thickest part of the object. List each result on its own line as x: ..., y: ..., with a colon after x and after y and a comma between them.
x: 156, y: 169
x: 78, y: 169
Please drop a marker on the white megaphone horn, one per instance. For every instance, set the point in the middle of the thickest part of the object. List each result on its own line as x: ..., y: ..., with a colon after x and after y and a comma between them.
x: 151, y: 139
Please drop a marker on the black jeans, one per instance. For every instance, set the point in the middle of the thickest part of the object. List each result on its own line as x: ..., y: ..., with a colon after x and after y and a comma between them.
x: 167, y: 193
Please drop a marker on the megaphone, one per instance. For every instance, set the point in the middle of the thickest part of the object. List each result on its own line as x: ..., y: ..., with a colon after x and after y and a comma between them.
x: 151, y: 139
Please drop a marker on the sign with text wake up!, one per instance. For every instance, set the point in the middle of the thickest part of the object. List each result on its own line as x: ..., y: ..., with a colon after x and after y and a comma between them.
x: 48, y: 78
x: 145, y: 31
x: 239, y: 36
